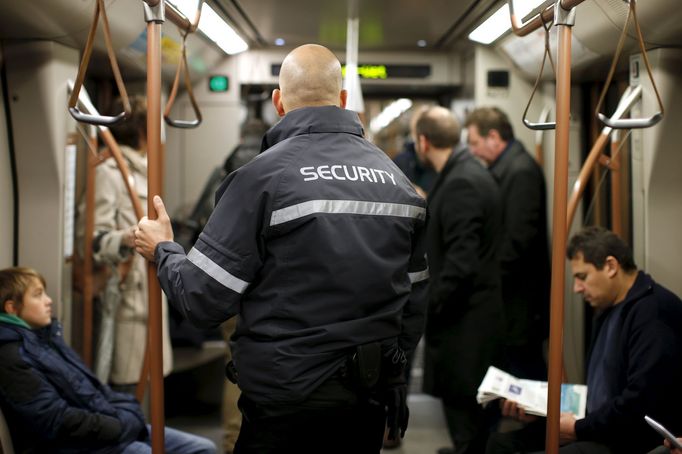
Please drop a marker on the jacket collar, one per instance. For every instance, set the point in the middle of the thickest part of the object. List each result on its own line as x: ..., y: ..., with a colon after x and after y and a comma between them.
x: 459, y: 154
x: 643, y: 285
x: 13, y: 320
x: 136, y: 160
x: 506, y: 158
x: 310, y: 120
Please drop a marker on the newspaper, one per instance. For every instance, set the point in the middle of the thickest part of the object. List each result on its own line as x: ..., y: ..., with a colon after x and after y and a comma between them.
x: 531, y: 395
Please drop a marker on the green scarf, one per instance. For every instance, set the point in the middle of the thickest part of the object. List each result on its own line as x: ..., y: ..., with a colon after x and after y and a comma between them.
x: 13, y: 320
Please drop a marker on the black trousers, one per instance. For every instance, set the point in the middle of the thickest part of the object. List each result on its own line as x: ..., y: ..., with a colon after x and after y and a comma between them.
x: 332, y: 420
x: 532, y: 439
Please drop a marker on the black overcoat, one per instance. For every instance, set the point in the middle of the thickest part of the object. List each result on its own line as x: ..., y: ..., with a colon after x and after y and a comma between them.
x: 464, y: 319
x: 524, y: 250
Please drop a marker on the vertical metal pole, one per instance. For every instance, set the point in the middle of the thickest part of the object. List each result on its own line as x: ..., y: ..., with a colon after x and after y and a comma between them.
x: 564, y: 20
x: 616, y: 196
x: 88, y: 286
x: 154, y: 16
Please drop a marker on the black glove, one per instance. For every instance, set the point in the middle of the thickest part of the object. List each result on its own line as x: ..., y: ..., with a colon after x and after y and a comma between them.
x: 397, y: 413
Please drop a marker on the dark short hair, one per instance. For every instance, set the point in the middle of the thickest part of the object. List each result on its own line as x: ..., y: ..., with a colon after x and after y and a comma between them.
x: 596, y: 244
x: 14, y: 283
x: 443, y: 131
x: 489, y: 118
x: 128, y: 132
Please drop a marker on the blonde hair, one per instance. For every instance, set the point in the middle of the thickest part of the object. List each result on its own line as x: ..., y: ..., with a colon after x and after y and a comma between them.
x: 15, y: 282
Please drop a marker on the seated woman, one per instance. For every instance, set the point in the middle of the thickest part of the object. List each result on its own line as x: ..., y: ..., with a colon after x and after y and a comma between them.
x: 52, y: 401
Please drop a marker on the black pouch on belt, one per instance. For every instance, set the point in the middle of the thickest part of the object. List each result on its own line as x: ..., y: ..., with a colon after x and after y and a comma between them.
x: 366, y: 365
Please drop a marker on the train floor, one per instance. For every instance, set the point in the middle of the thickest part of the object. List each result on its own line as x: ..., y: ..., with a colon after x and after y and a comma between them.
x: 425, y: 435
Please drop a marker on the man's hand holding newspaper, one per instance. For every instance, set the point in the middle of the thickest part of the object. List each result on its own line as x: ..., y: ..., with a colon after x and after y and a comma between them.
x: 528, y: 397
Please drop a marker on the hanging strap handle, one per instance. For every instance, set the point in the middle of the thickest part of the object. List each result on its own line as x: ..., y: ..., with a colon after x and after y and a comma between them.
x: 541, y: 126
x: 182, y: 67
x: 73, y: 100
x: 630, y: 123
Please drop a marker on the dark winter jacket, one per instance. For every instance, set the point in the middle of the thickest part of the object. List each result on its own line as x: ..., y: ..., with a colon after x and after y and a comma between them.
x: 53, y: 403
x: 524, y: 250
x: 317, y: 244
x: 465, y: 317
x: 644, y: 370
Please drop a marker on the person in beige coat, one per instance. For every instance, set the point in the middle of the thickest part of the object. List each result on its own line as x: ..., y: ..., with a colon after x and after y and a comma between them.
x: 122, y: 340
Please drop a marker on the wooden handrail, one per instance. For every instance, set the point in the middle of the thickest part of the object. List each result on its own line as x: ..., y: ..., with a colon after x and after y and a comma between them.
x: 544, y: 16
x: 175, y: 16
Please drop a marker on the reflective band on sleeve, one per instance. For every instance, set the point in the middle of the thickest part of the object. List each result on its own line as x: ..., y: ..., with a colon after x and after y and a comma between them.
x: 214, y: 270
x: 300, y: 210
x: 419, y: 276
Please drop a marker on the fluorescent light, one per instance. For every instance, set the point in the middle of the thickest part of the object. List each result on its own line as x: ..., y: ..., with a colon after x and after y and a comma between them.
x: 213, y: 26
x: 390, y: 113
x: 499, y: 23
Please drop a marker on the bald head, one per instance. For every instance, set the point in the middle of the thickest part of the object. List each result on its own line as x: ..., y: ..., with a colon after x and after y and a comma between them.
x: 438, y: 126
x: 310, y: 76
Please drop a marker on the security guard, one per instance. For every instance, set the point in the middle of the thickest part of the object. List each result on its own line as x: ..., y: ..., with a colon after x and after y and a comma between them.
x: 317, y: 244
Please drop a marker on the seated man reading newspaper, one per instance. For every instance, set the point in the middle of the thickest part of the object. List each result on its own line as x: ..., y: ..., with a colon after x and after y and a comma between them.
x: 635, y: 361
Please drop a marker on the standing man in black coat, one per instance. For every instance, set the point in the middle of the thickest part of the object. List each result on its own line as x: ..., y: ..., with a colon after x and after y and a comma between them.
x: 524, y: 252
x: 465, y: 300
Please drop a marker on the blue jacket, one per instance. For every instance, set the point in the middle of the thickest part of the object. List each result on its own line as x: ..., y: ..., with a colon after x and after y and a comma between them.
x: 53, y: 403
x: 644, y: 370
x: 317, y: 244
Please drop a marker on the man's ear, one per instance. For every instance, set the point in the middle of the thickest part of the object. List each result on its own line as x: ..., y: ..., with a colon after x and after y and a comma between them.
x: 10, y: 307
x: 611, y: 266
x: 343, y: 98
x: 424, y: 144
x: 277, y: 101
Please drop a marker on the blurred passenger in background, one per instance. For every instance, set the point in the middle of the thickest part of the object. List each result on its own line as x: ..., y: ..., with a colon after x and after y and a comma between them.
x: 524, y: 251
x: 122, y: 337
x: 464, y: 317
x: 422, y: 175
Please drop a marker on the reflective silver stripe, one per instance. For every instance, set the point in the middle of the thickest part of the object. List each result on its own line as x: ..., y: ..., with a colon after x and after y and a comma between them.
x: 346, y: 207
x: 419, y: 276
x: 214, y: 270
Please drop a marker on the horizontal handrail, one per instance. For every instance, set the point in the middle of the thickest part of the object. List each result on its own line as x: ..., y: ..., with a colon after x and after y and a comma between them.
x: 546, y: 15
x: 175, y: 16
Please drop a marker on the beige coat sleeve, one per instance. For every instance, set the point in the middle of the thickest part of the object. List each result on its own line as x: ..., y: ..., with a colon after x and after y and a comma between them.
x: 110, y: 225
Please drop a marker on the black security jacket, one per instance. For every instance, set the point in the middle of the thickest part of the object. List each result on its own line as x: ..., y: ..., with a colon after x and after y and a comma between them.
x: 317, y: 244
x: 645, y: 369
x: 465, y: 302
